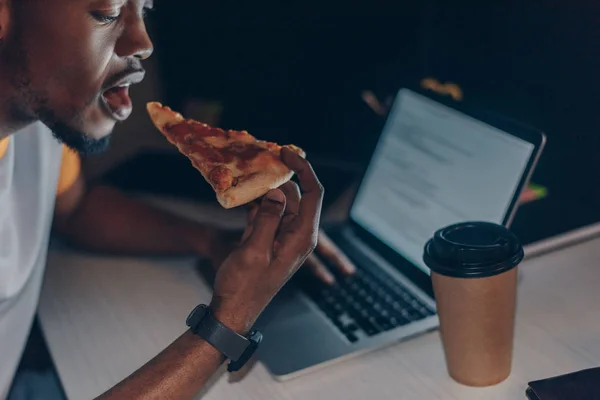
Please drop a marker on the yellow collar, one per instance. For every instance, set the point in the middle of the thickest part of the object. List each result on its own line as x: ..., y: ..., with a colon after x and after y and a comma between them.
x: 3, y: 146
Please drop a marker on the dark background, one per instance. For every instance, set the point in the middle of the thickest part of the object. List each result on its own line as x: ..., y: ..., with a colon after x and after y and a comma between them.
x: 293, y: 72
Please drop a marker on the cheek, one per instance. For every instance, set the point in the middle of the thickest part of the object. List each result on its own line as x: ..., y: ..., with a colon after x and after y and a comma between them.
x: 70, y: 65
x: 84, y: 68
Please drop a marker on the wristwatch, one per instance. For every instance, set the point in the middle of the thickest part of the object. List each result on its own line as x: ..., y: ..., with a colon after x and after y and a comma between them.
x: 237, y: 348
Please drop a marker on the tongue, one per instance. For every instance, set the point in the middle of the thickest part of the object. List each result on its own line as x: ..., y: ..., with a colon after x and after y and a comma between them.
x: 119, y: 102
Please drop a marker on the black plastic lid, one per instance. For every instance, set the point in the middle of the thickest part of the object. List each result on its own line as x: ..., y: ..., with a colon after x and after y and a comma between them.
x: 473, y: 250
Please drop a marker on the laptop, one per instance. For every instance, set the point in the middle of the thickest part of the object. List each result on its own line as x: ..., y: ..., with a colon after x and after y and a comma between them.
x: 435, y: 164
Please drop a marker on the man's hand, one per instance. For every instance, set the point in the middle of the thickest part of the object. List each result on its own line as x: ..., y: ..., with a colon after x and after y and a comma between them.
x: 282, y: 233
x: 328, y: 252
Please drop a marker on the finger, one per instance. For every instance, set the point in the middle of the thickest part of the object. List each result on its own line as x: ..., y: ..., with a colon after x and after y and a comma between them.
x: 267, y: 219
x: 312, y: 190
x: 247, y: 232
x: 319, y: 269
x: 250, y: 215
x: 252, y: 210
x: 292, y: 197
x: 328, y: 250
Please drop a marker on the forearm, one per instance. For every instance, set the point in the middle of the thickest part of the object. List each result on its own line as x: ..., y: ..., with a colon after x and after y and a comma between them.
x: 179, y: 372
x: 109, y: 221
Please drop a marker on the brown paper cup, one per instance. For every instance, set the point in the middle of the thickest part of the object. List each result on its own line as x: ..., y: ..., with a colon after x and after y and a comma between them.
x: 477, y: 326
x: 474, y: 276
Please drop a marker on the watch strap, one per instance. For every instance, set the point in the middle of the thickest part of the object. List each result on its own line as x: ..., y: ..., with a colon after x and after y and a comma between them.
x: 231, y: 344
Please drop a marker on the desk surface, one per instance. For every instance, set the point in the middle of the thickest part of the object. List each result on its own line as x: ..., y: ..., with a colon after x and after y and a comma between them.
x: 104, y: 317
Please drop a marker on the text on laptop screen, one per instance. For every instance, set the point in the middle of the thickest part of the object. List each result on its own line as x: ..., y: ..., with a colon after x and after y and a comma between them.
x: 433, y: 167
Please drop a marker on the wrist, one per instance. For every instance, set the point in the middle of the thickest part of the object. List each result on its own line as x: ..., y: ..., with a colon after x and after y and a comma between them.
x: 236, y: 317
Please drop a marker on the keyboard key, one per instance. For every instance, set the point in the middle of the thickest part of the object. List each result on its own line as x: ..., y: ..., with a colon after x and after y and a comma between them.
x: 406, y: 315
x: 351, y: 337
x: 368, y: 303
x: 384, y: 323
x: 416, y: 316
x: 376, y: 323
x: 364, y: 323
x: 425, y: 312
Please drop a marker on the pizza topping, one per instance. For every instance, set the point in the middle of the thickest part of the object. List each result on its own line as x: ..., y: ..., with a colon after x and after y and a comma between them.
x: 244, y: 151
x: 207, y: 152
x: 191, y: 130
x: 180, y: 132
x: 222, y: 178
x: 203, y: 130
x: 241, y: 136
x: 241, y: 153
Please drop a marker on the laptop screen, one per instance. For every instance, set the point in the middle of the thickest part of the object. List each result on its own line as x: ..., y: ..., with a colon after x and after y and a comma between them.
x: 434, y: 166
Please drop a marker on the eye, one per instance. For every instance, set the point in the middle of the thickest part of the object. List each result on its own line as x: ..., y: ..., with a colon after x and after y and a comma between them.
x: 105, y: 17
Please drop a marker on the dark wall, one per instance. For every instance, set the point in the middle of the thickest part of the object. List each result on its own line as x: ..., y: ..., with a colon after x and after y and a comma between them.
x: 296, y: 69
x: 290, y: 73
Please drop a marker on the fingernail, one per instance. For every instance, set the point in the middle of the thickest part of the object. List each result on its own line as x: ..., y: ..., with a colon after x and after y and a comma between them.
x: 276, y: 196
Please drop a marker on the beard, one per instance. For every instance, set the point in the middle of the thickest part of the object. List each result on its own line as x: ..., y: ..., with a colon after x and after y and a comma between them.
x: 63, y: 129
x: 69, y: 136
x: 28, y: 104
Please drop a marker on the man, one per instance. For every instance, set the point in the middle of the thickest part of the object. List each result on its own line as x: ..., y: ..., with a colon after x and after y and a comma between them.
x: 67, y: 65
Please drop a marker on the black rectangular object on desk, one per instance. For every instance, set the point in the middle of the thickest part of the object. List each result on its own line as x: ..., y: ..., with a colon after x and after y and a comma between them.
x: 581, y: 385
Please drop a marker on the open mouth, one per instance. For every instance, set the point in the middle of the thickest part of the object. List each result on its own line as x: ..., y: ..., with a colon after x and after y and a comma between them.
x: 117, y: 101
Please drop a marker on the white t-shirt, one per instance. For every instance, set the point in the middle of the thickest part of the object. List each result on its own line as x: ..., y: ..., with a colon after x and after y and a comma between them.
x: 29, y: 172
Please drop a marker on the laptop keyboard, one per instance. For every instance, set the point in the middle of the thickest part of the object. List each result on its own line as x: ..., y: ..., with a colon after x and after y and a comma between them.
x: 368, y: 303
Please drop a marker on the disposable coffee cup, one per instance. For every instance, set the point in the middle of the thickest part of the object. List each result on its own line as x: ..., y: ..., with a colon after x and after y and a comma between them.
x: 474, y: 276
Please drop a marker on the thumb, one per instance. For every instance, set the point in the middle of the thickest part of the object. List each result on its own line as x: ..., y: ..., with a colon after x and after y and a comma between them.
x: 267, y: 219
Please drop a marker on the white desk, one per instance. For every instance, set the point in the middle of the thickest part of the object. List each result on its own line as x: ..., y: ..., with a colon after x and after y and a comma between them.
x: 105, y: 317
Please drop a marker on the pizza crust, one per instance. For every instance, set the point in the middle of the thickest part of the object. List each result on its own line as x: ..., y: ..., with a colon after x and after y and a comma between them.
x: 254, y: 186
x: 163, y: 116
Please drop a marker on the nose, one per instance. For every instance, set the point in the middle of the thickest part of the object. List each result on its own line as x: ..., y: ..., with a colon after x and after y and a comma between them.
x: 134, y: 41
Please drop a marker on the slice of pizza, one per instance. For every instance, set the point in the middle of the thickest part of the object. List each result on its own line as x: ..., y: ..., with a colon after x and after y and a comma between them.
x: 239, y: 167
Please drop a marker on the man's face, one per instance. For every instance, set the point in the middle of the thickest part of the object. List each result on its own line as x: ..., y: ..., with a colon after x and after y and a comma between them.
x: 70, y: 62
